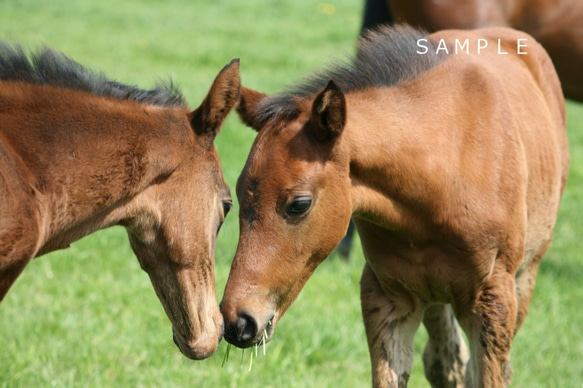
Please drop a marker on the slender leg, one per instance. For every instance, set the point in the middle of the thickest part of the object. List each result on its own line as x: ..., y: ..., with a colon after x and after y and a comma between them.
x: 489, y: 324
x: 376, y: 13
x: 390, y: 322
x: 15, y: 253
x: 445, y: 356
x: 345, y: 245
x: 8, y: 274
x: 525, y: 281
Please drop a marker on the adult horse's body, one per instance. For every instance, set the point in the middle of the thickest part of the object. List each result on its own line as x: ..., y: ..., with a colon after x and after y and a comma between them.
x: 79, y: 153
x: 556, y: 24
x: 452, y: 168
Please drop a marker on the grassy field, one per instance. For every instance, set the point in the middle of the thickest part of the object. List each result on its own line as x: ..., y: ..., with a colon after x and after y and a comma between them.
x: 88, y: 316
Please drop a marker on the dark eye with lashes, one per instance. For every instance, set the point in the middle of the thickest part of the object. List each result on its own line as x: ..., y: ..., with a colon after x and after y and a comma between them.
x: 227, y: 206
x: 298, y: 206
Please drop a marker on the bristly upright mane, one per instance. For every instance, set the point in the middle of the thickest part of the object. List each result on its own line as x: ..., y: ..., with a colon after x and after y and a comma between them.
x: 385, y: 57
x: 49, y: 67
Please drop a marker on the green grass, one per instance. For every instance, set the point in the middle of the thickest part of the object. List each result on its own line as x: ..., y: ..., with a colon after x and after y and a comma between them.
x: 88, y: 316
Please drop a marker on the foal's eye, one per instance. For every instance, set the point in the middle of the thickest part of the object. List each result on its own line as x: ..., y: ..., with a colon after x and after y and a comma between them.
x: 227, y: 206
x: 298, y: 206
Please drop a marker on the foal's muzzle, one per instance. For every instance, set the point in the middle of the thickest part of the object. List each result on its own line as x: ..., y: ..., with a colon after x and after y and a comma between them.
x: 246, y: 331
x: 201, y: 349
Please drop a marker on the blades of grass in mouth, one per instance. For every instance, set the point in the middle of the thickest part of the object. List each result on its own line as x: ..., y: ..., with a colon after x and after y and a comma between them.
x: 263, y: 339
x: 226, y: 357
x: 262, y: 343
x: 251, y: 358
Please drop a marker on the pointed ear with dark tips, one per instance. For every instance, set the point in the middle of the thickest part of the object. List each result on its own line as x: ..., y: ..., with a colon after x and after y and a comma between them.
x: 328, y: 113
x: 206, y: 120
x: 247, y: 108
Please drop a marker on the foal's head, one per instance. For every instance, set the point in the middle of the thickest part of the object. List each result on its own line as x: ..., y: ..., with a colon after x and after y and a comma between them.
x: 175, y: 222
x: 295, y: 206
x: 295, y: 190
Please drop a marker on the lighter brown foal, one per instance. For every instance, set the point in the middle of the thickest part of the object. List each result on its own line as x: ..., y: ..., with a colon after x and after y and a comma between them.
x: 452, y: 166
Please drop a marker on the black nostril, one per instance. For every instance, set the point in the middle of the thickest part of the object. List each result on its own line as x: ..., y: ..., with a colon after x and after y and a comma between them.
x: 246, y: 327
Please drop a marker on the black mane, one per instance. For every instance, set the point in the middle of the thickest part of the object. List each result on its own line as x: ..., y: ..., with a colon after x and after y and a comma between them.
x: 385, y: 57
x: 49, y: 67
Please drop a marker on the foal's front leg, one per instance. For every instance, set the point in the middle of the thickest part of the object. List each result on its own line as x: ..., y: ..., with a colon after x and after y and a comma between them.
x: 445, y: 356
x: 390, y: 322
x: 489, y: 323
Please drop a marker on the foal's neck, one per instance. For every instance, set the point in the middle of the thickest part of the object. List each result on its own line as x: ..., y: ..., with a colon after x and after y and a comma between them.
x: 388, y: 157
x: 90, y: 156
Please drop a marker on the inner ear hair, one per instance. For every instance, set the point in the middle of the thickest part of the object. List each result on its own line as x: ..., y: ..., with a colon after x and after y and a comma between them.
x: 329, y: 112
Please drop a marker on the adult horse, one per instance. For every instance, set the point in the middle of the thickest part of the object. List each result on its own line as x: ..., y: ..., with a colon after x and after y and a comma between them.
x: 79, y: 152
x: 452, y: 167
x: 556, y: 24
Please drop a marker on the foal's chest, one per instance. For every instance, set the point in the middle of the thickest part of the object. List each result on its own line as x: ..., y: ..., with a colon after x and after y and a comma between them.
x: 431, y: 271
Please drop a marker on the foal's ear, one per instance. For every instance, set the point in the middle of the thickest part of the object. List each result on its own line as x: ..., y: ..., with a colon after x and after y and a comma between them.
x: 328, y: 113
x: 247, y: 108
x: 206, y: 120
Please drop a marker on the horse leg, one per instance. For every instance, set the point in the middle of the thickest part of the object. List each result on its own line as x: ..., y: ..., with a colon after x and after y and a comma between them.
x: 17, y: 246
x: 376, y: 13
x: 345, y: 245
x: 525, y: 281
x: 445, y: 356
x: 9, y: 271
x: 489, y: 324
x: 390, y: 322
